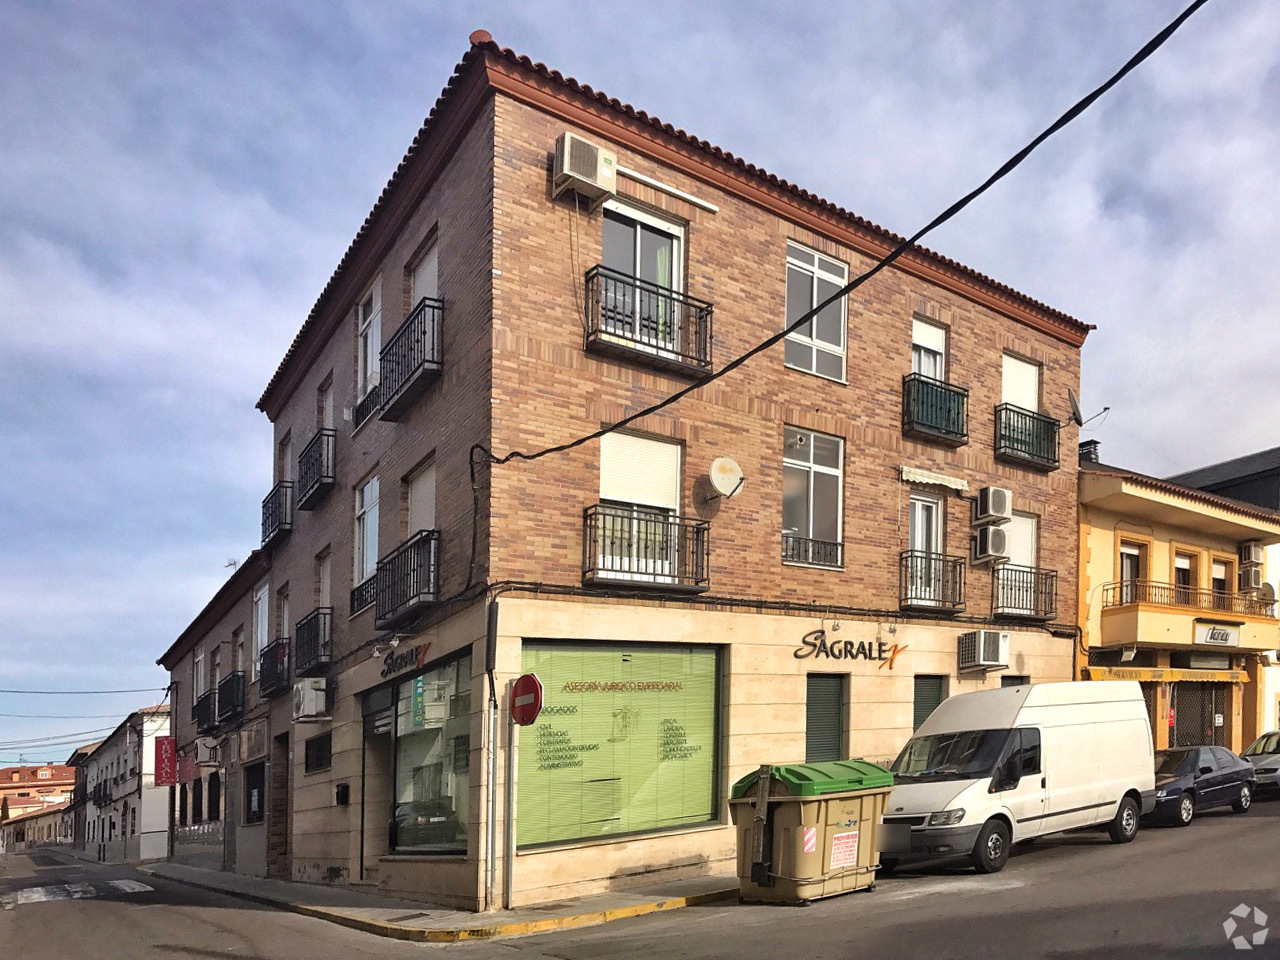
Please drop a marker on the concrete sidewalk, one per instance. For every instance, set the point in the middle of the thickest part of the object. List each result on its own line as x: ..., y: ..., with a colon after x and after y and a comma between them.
x: 411, y: 920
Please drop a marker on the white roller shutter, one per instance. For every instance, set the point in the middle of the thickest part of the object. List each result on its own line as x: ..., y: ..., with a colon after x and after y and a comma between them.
x: 639, y: 470
x: 929, y: 335
x: 422, y: 501
x: 1021, y: 383
x: 1021, y: 534
x: 426, y: 281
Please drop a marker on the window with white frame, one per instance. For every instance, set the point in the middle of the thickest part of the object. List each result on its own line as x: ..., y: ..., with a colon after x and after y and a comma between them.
x: 817, y: 345
x: 928, y: 349
x: 366, y: 552
x: 1020, y: 383
x: 643, y: 264
x: 199, y: 679
x: 368, y: 340
x: 261, y: 624
x: 639, y: 503
x: 812, y: 465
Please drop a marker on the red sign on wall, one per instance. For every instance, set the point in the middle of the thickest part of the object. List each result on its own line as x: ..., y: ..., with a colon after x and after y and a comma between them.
x: 166, y: 762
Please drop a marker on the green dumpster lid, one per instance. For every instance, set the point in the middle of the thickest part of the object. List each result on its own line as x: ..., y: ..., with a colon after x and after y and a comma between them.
x: 816, y: 779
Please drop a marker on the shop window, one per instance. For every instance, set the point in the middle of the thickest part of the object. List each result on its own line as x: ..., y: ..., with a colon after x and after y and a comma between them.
x: 255, y: 791
x: 432, y: 769
x: 626, y: 742
x: 319, y: 753
x: 215, y: 796
x: 824, y: 717
x: 930, y: 691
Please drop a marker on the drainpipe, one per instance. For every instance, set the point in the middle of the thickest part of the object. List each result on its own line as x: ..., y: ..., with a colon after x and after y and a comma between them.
x: 490, y: 657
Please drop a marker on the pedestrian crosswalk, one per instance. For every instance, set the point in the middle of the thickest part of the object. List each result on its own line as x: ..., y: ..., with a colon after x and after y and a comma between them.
x: 70, y: 891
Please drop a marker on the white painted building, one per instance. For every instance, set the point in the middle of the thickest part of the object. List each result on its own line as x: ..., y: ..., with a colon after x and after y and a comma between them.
x: 128, y: 815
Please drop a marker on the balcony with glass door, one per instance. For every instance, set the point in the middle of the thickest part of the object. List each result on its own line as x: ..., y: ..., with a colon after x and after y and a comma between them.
x: 934, y: 411
x: 204, y: 711
x: 273, y: 668
x: 634, y: 319
x: 408, y: 579
x: 313, y: 642
x: 1026, y: 438
x: 231, y: 696
x: 931, y: 581
x: 1027, y: 593
x: 646, y: 547
x: 413, y: 359
x: 316, y: 474
x: 277, y: 514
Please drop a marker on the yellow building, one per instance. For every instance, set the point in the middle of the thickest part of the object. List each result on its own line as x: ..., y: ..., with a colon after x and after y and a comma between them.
x: 1173, y: 594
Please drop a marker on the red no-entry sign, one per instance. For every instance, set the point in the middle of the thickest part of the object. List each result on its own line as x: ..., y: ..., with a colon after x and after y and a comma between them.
x: 526, y: 699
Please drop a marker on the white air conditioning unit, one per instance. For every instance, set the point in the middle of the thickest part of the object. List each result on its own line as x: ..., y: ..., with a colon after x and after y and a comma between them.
x: 207, y: 753
x: 995, y: 505
x: 584, y: 168
x: 990, y: 544
x: 310, y: 698
x: 984, y: 650
x: 1250, y: 553
x: 1250, y: 579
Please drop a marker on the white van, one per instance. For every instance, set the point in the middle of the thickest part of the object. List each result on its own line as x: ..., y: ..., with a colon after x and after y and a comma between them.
x: 996, y: 767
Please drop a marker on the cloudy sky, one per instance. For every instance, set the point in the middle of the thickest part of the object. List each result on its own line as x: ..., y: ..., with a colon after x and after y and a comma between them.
x: 177, y: 182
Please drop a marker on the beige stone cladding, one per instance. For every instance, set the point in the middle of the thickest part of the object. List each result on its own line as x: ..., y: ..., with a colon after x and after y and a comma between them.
x: 548, y: 390
x: 762, y: 711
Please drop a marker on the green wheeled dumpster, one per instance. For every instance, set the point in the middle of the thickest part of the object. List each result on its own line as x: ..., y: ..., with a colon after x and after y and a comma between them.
x: 808, y: 830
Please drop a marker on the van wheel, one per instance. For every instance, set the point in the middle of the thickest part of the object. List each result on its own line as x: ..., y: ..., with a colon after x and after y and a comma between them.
x: 1246, y: 798
x: 1186, y: 809
x: 991, y: 852
x: 1124, y: 827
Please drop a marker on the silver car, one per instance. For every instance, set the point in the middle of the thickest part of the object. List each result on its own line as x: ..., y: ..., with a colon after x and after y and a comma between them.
x: 1264, y: 754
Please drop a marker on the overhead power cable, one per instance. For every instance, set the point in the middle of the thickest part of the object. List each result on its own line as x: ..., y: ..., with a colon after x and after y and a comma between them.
x: 81, y: 693
x: 1080, y: 107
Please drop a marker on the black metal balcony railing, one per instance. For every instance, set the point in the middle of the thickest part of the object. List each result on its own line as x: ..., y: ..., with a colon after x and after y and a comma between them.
x: 1027, y: 592
x: 1174, y: 595
x: 273, y: 668
x: 933, y: 410
x: 637, y: 319
x: 408, y: 578
x: 363, y: 594
x: 637, y: 546
x: 313, y: 642
x: 277, y: 512
x: 932, y: 581
x: 231, y: 696
x: 366, y: 406
x: 1026, y: 437
x: 820, y: 553
x: 205, y: 712
x: 316, y: 474
x: 101, y: 794
x: 413, y: 358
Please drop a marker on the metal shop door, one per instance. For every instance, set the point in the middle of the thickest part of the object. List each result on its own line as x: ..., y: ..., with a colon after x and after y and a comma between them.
x: 1196, y: 707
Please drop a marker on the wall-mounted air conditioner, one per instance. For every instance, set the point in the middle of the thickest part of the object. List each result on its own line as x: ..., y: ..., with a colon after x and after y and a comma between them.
x: 1250, y: 553
x: 583, y: 167
x: 994, y: 505
x: 310, y: 698
x: 984, y: 650
x: 207, y: 753
x: 990, y: 544
x: 1250, y: 579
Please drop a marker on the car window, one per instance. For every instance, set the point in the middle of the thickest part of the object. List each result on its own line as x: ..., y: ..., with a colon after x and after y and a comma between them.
x: 1206, y: 759
x: 1030, y: 751
x: 1265, y: 744
x: 1176, y: 763
x: 1225, y: 760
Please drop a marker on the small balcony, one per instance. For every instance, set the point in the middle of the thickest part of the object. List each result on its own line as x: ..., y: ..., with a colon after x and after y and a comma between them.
x: 366, y: 406
x: 816, y: 553
x: 408, y: 578
x: 934, y: 411
x: 1028, y: 593
x: 1026, y: 438
x: 277, y: 513
x: 634, y: 546
x: 313, y: 642
x: 633, y: 319
x: 931, y: 581
x: 231, y: 696
x: 204, y: 713
x: 413, y: 359
x: 273, y: 668
x: 1143, y: 612
x: 1128, y: 592
x: 316, y: 474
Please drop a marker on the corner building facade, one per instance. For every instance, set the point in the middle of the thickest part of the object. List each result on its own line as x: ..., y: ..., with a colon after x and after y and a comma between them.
x: 683, y: 635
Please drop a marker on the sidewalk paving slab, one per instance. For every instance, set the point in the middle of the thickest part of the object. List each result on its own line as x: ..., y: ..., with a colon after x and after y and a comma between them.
x: 421, y: 922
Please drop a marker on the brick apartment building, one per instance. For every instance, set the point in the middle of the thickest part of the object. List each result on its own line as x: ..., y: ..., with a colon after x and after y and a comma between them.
x: 689, y: 617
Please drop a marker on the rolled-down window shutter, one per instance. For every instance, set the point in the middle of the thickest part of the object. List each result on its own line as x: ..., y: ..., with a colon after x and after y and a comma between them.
x: 929, y: 335
x: 422, y: 501
x: 640, y: 470
x: 824, y: 717
x: 928, y: 696
x: 1021, y: 384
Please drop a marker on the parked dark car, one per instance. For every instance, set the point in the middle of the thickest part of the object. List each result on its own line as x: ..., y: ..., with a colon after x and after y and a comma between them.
x: 1192, y: 779
x: 425, y: 824
x: 1264, y: 754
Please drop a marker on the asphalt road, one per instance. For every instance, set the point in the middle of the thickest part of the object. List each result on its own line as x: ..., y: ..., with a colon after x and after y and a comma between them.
x: 1166, y: 895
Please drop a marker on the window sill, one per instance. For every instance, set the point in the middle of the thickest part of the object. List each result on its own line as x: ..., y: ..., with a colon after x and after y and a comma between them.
x: 813, y: 566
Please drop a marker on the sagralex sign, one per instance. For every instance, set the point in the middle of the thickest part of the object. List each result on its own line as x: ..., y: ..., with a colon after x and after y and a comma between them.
x: 816, y: 644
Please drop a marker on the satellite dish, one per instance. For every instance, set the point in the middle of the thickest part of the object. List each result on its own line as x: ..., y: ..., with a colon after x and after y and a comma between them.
x: 1267, y: 593
x: 726, y: 476
x: 1076, y: 416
